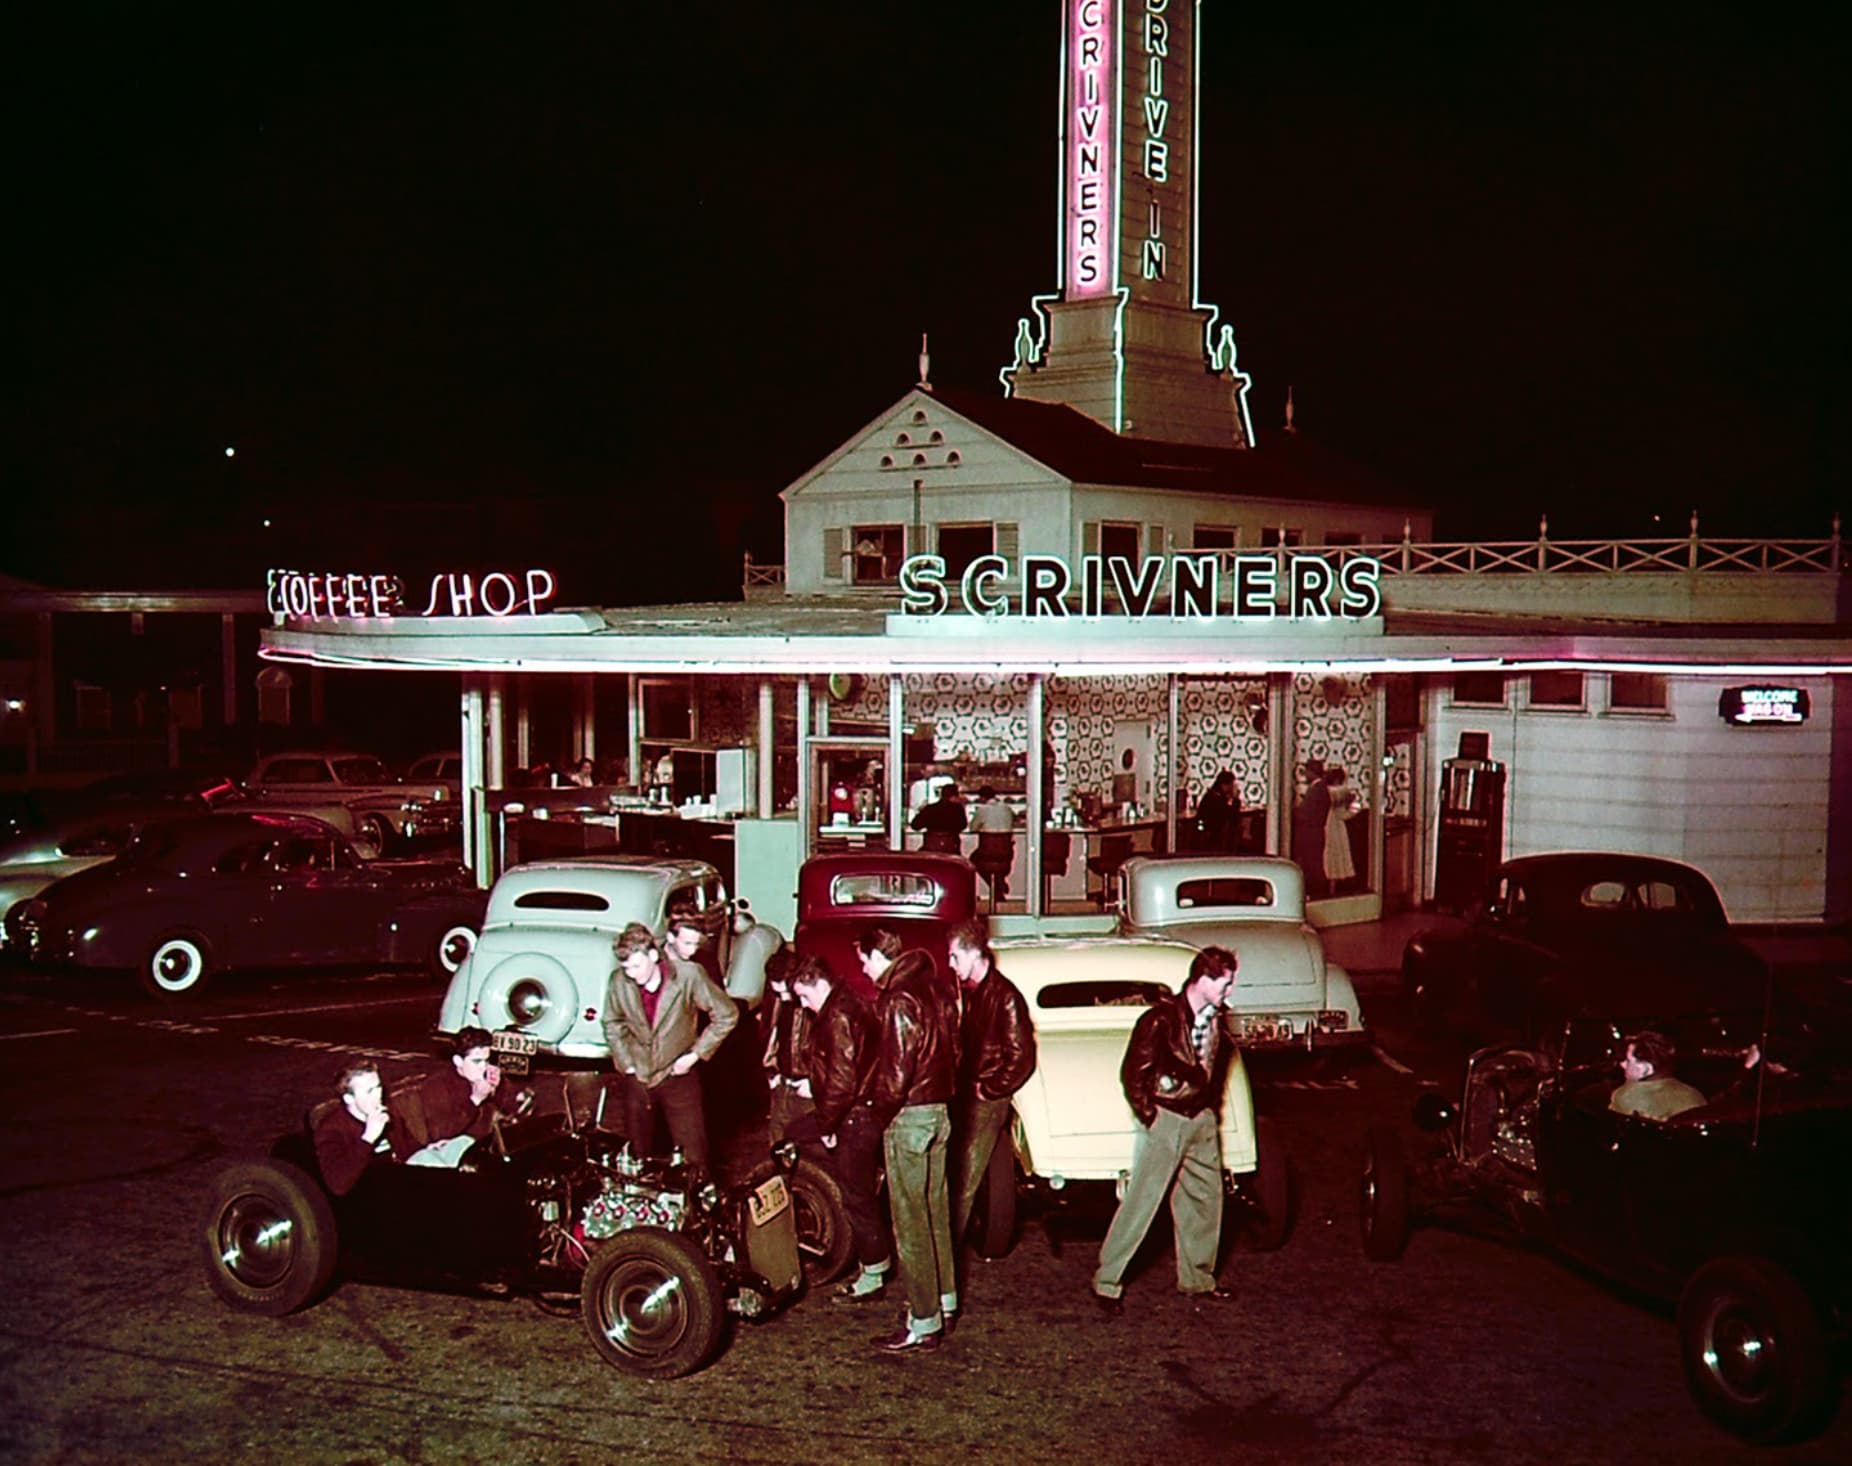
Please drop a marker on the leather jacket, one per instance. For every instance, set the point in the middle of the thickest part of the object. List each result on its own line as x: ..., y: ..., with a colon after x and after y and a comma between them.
x: 916, y: 1060
x: 997, y: 1039
x: 787, y: 1040
x: 1161, y: 1067
x: 842, y: 1051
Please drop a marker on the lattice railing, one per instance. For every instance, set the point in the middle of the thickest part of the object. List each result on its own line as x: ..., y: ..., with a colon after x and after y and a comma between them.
x: 1684, y: 555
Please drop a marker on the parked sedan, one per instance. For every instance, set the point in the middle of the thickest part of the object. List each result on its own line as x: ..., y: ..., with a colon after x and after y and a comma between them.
x: 358, y: 794
x: 63, y: 846
x: 1288, y: 996
x: 201, y: 894
x: 1630, y: 936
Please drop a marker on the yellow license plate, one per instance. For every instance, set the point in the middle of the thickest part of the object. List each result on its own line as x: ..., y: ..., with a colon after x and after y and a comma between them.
x: 769, y: 1198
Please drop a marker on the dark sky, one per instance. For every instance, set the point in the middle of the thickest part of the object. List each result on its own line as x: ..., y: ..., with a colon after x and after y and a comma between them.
x: 658, y: 259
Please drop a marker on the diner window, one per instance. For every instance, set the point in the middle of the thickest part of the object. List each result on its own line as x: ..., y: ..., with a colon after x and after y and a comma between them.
x: 1479, y: 689
x: 1637, y: 692
x: 1215, y: 537
x: 960, y: 544
x: 668, y: 713
x: 1278, y: 536
x: 1557, y: 690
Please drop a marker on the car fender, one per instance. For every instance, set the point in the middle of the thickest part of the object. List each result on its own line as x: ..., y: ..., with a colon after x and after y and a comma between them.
x: 1341, y: 993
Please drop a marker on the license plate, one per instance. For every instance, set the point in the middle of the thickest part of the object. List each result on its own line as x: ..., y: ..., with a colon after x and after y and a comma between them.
x: 514, y: 1043
x: 769, y: 1198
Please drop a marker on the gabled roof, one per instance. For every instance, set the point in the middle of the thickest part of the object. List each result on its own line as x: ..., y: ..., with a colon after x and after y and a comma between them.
x: 1285, y: 466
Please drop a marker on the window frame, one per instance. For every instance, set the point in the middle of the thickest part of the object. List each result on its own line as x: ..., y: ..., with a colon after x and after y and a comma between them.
x: 1454, y: 699
x: 1641, y: 710
x: 1580, y: 705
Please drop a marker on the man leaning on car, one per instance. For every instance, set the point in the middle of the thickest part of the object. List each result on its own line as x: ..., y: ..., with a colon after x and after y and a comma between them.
x: 650, y: 1018
x: 1171, y: 1079
x: 997, y: 1056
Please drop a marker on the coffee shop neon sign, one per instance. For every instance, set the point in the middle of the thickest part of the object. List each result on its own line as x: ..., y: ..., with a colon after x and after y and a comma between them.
x: 330, y: 596
x: 1182, y: 587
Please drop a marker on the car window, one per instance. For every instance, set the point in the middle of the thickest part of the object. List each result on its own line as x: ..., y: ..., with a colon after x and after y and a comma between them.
x: 361, y: 771
x: 1605, y: 896
x: 1661, y: 896
x: 885, y: 888
x: 425, y: 768
x: 297, y: 771
x: 561, y: 901
x: 240, y: 858
x: 685, y: 901
x: 303, y: 853
x: 1225, y: 891
x: 1110, y: 993
x: 713, y: 893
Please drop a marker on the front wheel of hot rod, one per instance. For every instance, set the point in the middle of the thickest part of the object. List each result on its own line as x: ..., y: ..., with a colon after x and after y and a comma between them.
x: 652, y: 1304
x: 268, y: 1237
x: 824, y: 1242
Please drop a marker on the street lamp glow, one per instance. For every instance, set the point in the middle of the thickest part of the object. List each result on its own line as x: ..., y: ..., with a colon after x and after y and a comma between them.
x: 231, y: 452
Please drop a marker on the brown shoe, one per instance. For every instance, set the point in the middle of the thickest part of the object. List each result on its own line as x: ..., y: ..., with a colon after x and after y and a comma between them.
x: 1111, y: 1307
x: 1212, y: 1295
x: 908, y: 1342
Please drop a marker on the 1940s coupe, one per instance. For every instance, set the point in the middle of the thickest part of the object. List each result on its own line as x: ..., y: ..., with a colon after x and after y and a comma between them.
x: 651, y: 1254
x: 1289, y: 995
x: 1739, y: 1211
x: 1072, y: 1122
x: 204, y: 893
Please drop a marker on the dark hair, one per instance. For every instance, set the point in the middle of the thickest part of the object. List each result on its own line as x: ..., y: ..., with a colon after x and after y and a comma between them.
x: 684, y: 919
x: 465, y: 1039
x: 1213, y: 962
x: 1655, y: 1048
x: 880, y: 939
x: 779, y: 965
x: 352, y: 1070
x: 1334, y: 775
x: 632, y: 939
x: 808, y: 971
x: 985, y: 792
x: 1227, y: 776
x: 974, y: 934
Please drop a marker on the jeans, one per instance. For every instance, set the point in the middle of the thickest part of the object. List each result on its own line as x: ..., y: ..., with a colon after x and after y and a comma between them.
x: 1188, y: 1153
x: 980, y: 1123
x: 855, y: 1162
x: 679, y: 1099
x: 786, y: 1108
x: 916, y: 1144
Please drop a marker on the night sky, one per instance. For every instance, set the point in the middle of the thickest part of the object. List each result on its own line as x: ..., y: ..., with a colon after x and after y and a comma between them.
x: 611, y: 278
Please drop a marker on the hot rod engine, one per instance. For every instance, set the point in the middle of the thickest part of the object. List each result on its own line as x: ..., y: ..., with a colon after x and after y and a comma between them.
x: 1500, y: 1116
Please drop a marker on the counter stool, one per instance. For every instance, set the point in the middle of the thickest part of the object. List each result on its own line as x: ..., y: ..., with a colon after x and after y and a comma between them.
x: 995, y: 854
x: 1114, y: 851
x: 1057, y: 845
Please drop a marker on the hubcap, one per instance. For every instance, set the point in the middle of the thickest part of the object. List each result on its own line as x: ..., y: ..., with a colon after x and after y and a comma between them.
x: 1740, y: 1353
x: 257, y: 1241
x: 176, y: 966
x: 643, y: 1309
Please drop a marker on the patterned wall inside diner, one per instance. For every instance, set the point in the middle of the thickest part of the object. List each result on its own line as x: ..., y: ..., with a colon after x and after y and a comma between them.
x: 1334, y: 721
x: 984, y: 717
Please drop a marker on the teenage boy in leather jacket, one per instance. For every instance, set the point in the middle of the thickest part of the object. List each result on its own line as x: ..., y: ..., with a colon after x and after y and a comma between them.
x: 997, y: 1056
x: 910, y: 1089
x: 1172, y: 1081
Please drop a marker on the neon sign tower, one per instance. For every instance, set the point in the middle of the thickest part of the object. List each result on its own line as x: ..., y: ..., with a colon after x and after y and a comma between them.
x: 1126, y: 339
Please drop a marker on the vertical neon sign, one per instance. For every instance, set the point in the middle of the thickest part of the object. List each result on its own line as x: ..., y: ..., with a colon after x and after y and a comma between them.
x: 1092, y: 231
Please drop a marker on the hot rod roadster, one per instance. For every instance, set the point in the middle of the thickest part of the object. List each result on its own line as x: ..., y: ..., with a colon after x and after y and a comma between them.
x: 1738, y: 1212
x: 651, y: 1253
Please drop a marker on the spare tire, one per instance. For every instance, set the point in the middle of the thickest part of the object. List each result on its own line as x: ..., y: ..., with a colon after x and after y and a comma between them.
x: 532, y: 993
x: 267, y: 1237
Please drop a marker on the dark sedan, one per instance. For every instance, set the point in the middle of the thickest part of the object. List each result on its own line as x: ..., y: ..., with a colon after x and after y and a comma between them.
x: 1628, y: 936
x: 199, y: 895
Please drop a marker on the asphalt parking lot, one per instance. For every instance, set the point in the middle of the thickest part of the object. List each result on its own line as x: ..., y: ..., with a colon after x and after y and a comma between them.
x: 118, y: 1111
